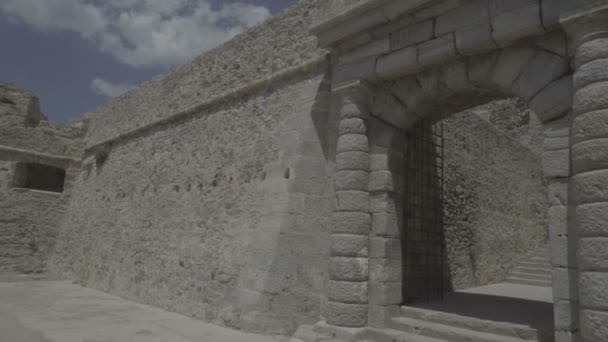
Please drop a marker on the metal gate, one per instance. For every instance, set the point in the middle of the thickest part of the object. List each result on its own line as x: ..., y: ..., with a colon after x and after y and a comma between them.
x: 423, y: 243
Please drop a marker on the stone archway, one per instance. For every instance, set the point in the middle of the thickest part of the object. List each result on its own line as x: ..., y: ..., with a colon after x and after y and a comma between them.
x: 403, y: 86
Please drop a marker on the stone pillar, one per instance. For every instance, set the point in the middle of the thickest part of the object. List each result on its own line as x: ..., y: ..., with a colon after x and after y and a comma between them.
x: 588, y: 196
x: 386, y: 191
x: 348, y: 262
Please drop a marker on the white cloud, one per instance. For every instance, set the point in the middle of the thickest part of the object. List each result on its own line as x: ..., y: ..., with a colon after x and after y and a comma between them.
x: 102, y: 87
x: 141, y: 33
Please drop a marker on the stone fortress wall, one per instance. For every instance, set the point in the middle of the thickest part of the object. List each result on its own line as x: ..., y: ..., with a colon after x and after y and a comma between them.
x: 208, y: 191
x: 30, y: 219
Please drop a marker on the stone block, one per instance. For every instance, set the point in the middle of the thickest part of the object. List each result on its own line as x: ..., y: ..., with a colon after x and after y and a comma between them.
x: 389, y: 109
x: 564, y: 283
x: 480, y: 68
x: 565, y: 315
x: 347, y: 315
x: 591, y: 98
x: 348, y: 292
x: 352, y: 126
x: 552, y: 9
x: 385, y: 202
x: 384, y: 248
x: 349, y: 245
x: 516, y: 24
x: 374, y: 48
x: 351, y: 180
x: 558, y: 222
x: 392, y: 160
x: 543, y: 69
x: 593, y: 324
x: 592, y: 72
x: 555, y: 42
x: 497, y: 7
x: 557, y: 191
x: 379, y: 315
x: 385, y: 181
x: 385, y: 270
x: 412, y: 35
x: 592, y: 253
x: 509, y: 66
x: 352, y: 200
x: 554, y: 101
x: 398, y: 63
x: 559, y: 128
x: 385, y: 225
x: 383, y: 135
x: 438, y: 50
x: 590, y: 219
x: 362, y: 69
x: 385, y: 293
x: 563, y: 252
x: 348, y: 269
x: 463, y: 16
x: 351, y: 223
x: 359, y: 109
x: 475, y: 39
x: 555, y: 144
x: 353, y: 142
x: 592, y: 287
x: 556, y: 163
x: 353, y: 161
x: 438, y: 9
x: 590, y: 155
x: 590, y: 187
x: 592, y: 125
x: 566, y: 336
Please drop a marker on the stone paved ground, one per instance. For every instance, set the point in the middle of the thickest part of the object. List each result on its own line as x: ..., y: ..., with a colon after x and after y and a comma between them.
x: 59, y: 311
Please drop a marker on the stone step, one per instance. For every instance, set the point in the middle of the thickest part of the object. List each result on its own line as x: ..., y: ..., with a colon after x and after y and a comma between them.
x: 530, y: 276
x: 515, y: 280
x: 446, y: 332
x: 391, y: 335
x: 532, y: 264
x: 533, y: 270
x: 476, y: 324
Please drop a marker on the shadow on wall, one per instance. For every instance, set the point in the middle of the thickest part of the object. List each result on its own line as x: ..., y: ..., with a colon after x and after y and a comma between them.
x: 283, y: 285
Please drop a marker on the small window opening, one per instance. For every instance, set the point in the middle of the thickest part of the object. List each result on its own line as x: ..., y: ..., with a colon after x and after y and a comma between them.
x: 39, y: 177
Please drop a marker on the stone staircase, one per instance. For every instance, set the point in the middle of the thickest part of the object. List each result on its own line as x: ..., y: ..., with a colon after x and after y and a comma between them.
x: 422, y: 325
x: 534, y: 270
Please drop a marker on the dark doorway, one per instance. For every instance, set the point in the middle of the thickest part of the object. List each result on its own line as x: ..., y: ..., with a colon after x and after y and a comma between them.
x: 423, y: 243
x: 39, y: 177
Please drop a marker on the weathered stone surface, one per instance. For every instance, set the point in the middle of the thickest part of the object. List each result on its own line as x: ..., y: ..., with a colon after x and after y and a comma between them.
x: 438, y: 50
x: 385, y: 293
x: 356, y: 107
x: 411, y: 35
x: 564, y: 283
x: 385, y: 202
x: 352, y: 200
x: 349, y: 245
x: 557, y: 191
x: 384, y: 248
x: 480, y: 68
x: 351, y: 223
x: 463, y: 16
x: 554, y: 101
x: 558, y: 222
x: 385, y: 181
x: 555, y: 42
x: 538, y: 73
x: 592, y: 72
x: 552, y: 9
x: 475, y: 39
x: 510, y: 65
x: 396, y: 63
x: 592, y: 285
x: 591, y: 125
x: 353, y: 142
x: 385, y: 225
x: 564, y: 316
x: 556, y: 163
x: 591, y: 98
x: 385, y: 270
x: 518, y: 23
x: 594, y: 324
x: 592, y: 253
x: 353, y: 161
x: 374, y: 48
x: 348, y: 292
x: 590, y: 187
x: 347, y: 315
x: 351, y: 180
x: 590, y: 155
x: 392, y: 160
x: 591, y: 50
x: 563, y: 252
x: 348, y: 269
x: 352, y: 126
x: 591, y: 219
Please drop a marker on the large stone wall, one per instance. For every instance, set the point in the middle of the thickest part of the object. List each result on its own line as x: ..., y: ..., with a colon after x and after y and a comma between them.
x: 29, y: 219
x: 214, y: 199
x: 495, y: 198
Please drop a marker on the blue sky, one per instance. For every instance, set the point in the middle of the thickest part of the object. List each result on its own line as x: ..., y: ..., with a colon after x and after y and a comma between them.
x: 77, y: 54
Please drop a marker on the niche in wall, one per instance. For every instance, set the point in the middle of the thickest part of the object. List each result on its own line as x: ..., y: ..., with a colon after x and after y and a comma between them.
x: 39, y: 177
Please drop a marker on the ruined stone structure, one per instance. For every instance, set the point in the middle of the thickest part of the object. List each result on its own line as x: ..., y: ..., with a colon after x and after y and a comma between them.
x: 265, y: 184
